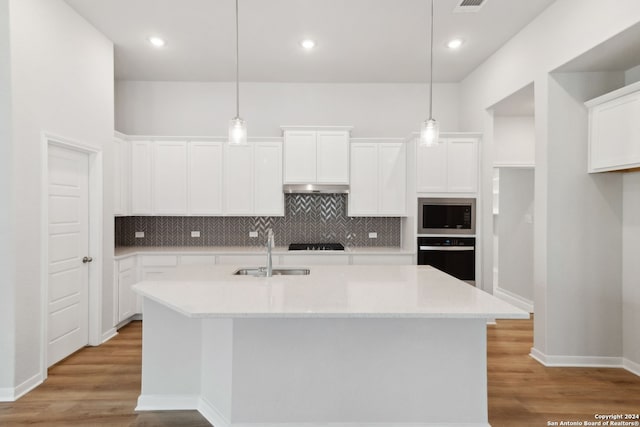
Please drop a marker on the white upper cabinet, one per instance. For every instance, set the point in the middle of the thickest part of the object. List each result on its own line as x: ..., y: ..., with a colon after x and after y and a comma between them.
x: 392, y: 177
x: 363, y: 190
x: 238, y: 179
x: 170, y: 178
x: 121, y: 180
x: 205, y: 177
x: 378, y: 179
x: 141, y: 178
x: 462, y: 165
x: 268, y: 196
x: 614, y: 130
x: 316, y: 155
x: 332, y: 157
x: 299, y: 157
x: 448, y: 167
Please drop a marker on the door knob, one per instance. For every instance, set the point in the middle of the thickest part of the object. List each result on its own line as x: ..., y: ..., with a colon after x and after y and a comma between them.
x: 86, y: 259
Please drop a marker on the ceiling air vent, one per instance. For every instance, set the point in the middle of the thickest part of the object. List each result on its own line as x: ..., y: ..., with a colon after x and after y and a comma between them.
x: 469, y: 6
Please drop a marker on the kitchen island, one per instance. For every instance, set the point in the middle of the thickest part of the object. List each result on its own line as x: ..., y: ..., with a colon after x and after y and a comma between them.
x: 344, y: 345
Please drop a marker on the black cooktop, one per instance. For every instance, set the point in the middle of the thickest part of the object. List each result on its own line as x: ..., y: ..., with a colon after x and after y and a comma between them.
x: 316, y: 247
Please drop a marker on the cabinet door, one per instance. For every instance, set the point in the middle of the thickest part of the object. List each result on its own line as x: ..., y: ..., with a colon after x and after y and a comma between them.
x: 118, y: 180
x: 238, y: 180
x: 299, y: 157
x: 332, y: 151
x: 462, y: 165
x: 205, y: 178
x: 363, y: 192
x: 614, y: 134
x: 126, y: 296
x: 170, y: 178
x: 431, y: 168
x: 268, y: 195
x: 141, y: 178
x: 392, y: 179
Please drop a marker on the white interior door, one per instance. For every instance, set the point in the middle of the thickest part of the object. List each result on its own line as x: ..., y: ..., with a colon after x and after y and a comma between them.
x: 68, y: 223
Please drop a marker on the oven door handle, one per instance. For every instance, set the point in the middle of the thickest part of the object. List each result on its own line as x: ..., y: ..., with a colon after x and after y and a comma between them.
x: 447, y: 248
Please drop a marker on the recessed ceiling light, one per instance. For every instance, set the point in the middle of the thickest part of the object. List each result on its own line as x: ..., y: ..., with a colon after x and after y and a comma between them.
x: 157, y: 41
x: 308, y: 44
x: 455, y: 43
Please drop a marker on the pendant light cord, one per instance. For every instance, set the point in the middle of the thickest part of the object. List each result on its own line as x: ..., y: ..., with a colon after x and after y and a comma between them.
x: 237, y: 66
x: 431, y: 67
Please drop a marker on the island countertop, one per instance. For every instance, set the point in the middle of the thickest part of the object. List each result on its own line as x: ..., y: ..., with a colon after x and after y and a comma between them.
x: 331, y: 291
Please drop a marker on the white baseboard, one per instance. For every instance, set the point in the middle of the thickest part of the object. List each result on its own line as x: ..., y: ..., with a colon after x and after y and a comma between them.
x: 513, y: 299
x: 215, y: 417
x: 11, y: 395
x: 6, y: 395
x: 109, y: 334
x: 631, y: 366
x: 576, y: 361
x: 212, y: 414
x: 178, y: 402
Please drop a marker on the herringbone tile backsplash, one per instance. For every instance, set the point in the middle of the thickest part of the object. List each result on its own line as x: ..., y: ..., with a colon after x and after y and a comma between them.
x: 309, y: 218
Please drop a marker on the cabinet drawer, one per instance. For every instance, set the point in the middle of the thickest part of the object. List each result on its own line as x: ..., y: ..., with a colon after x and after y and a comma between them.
x: 126, y: 264
x: 159, y: 260
x: 246, y: 260
x: 197, y: 259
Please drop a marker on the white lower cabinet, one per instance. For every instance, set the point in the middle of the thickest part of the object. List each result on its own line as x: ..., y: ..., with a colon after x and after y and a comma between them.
x: 126, y: 274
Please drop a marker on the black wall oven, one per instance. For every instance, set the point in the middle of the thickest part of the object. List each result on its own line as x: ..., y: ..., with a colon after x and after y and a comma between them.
x: 453, y: 255
x: 446, y: 216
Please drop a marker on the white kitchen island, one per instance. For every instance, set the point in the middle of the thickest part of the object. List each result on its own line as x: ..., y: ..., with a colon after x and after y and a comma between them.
x: 343, y: 346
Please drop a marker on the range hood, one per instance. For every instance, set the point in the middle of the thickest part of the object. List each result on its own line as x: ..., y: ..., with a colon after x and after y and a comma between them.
x: 315, y: 189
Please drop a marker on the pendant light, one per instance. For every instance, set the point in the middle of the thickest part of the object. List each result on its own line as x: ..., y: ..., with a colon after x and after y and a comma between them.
x: 430, y: 129
x: 237, y: 126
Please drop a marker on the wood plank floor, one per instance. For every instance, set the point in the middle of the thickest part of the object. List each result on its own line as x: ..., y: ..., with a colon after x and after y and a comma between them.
x: 98, y: 386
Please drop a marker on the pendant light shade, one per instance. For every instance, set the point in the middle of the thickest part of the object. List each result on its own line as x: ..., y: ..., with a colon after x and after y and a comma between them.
x: 237, y: 131
x: 430, y: 129
x: 237, y: 126
x: 429, y: 133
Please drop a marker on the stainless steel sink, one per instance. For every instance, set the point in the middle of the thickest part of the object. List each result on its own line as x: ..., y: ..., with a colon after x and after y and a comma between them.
x: 262, y: 271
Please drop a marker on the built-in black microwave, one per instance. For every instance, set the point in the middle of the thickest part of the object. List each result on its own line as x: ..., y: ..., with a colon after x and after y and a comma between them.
x: 447, y: 216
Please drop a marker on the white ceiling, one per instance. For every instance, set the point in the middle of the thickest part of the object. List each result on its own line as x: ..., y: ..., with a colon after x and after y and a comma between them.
x: 358, y: 40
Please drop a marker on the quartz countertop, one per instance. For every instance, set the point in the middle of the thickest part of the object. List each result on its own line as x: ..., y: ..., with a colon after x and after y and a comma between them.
x: 330, y: 291
x: 122, y: 252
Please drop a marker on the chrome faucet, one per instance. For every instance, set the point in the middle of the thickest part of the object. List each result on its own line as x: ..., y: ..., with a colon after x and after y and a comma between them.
x: 270, y: 245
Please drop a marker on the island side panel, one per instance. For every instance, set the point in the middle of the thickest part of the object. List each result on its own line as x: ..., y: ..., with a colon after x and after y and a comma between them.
x: 217, y: 370
x: 359, y: 371
x: 171, y: 359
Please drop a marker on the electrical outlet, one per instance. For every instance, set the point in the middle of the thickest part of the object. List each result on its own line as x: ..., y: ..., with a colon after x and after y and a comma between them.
x: 373, y: 235
x: 139, y: 234
x: 195, y: 234
x: 253, y: 234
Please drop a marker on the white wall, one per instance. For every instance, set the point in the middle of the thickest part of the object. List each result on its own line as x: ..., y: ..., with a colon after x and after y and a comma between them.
x: 514, y: 140
x: 529, y: 57
x: 7, y: 313
x: 632, y: 75
x: 62, y: 72
x: 584, y: 233
x: 631, y: 268
x: 192, y: 108
x: 515, y: 233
